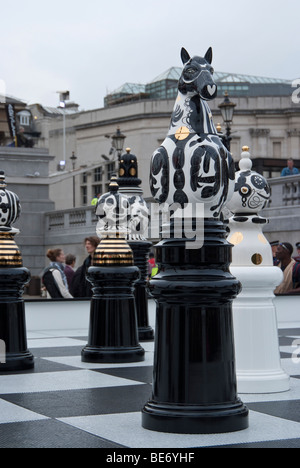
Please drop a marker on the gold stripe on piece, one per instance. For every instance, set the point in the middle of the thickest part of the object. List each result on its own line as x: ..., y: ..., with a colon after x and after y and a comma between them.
x: 10, y: 255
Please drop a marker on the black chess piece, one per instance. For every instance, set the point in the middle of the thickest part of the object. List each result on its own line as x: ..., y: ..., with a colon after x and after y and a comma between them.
x: 13, y: 279
x: 113, y: 333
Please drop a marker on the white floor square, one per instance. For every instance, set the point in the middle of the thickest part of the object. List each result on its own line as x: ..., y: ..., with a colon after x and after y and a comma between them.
x: 10, y: 413
x: 57, y: 381
x: 55, y: 343
x: 75, y: 361
x: 126, y: 429
x: 292, y: 394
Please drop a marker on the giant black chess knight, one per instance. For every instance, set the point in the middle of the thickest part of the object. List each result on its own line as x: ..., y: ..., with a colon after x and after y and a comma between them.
x: 194, y: 388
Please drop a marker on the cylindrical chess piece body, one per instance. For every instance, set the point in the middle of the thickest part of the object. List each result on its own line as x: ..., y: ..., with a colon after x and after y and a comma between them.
x: 194, y: 388
x: 141, y: 251
x: 113, y: 336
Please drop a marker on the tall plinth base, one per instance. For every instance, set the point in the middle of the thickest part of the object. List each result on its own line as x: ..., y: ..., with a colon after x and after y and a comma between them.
x: 194, y: 386
x: 113, y: 335
x: 13, y: 340
x: 256, y: 332
x: 141, y: 251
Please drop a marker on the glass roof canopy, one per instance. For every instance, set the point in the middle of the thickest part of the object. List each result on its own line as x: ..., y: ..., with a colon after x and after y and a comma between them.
x: 165, y: 86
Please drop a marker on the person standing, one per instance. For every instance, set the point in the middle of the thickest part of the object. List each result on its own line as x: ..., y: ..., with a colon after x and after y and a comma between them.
x: 290, y: 170
x: 297, y: 258
x: 80, y: 286
x: 54, y: 278
x: 70, y: 268
x: 290, y: 268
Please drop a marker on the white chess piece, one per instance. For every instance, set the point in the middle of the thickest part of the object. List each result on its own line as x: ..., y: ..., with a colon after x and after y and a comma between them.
x: 255, y: 321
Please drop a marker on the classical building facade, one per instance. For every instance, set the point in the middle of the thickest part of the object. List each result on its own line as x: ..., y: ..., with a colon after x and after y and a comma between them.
x: 73, y: 157
x: 265, y: 119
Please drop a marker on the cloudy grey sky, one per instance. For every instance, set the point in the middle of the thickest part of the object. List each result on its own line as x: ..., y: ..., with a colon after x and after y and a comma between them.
x: 93, y: 46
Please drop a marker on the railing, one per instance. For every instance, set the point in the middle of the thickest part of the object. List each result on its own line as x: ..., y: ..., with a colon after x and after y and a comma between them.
x: 70, y: 226
x: 285, y: 191
x: 71, y: 219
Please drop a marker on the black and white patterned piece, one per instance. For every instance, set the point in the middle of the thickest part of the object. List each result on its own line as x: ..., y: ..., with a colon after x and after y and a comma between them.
x: 192, y: 165
x: 194, y: 387
x: 10, y: 207
x: 65, y: 403
x: 251, y: 195
x: 113, y: 213
x: 129, y: 187
x: 254, y: 315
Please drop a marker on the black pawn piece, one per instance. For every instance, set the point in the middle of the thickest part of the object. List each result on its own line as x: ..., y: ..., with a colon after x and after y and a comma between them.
x: 113, y: 334
x: 13, y: 278
x: 129, y: 186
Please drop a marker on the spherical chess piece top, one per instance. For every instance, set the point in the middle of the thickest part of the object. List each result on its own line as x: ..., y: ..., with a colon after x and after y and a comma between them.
x: 10, y: 255
x: 10, y: 207
x: 251, y: 195
x: 252, y: 191
x: 112, y: 212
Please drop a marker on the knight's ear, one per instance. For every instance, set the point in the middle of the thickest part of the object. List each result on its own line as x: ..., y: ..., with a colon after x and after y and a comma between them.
x: 185, y: 56
x: 209, y: 55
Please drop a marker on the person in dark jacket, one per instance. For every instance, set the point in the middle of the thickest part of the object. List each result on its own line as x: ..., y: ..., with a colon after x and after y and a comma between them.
x: 70, y: 268
x: 80, y: 286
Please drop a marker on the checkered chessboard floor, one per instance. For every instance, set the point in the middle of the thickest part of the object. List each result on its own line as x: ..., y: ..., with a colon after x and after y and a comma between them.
x: 64, y: 403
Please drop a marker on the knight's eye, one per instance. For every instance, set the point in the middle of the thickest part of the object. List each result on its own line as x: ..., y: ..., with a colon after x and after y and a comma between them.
x: 190, y: 71
x: 212, y: 71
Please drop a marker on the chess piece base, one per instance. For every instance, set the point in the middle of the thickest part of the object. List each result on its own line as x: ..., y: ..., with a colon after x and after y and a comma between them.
x: 12, y: 320
x: 113, y: 356
x: 256, y: 332
x: 195, y: 419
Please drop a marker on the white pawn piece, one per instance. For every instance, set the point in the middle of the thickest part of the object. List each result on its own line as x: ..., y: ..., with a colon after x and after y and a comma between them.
x: 255, y: 322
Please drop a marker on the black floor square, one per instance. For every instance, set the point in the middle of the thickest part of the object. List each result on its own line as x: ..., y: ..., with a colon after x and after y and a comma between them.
x: 84, y: 402
x: 48, y: 434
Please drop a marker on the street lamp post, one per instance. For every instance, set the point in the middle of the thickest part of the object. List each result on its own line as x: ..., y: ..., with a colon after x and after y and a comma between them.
x: 118, y: 140
x: 63, y: 97
x: 73, y: 159
x: 227, y: 109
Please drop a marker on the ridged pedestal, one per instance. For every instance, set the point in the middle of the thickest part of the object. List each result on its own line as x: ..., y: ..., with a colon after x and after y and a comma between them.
x: 113, y: 335
x: 141, y: 251
x: 194, y: 386
x: 12, y: 320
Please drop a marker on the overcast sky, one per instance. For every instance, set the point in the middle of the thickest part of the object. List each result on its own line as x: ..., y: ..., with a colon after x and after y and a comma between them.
x: 91, y: 47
